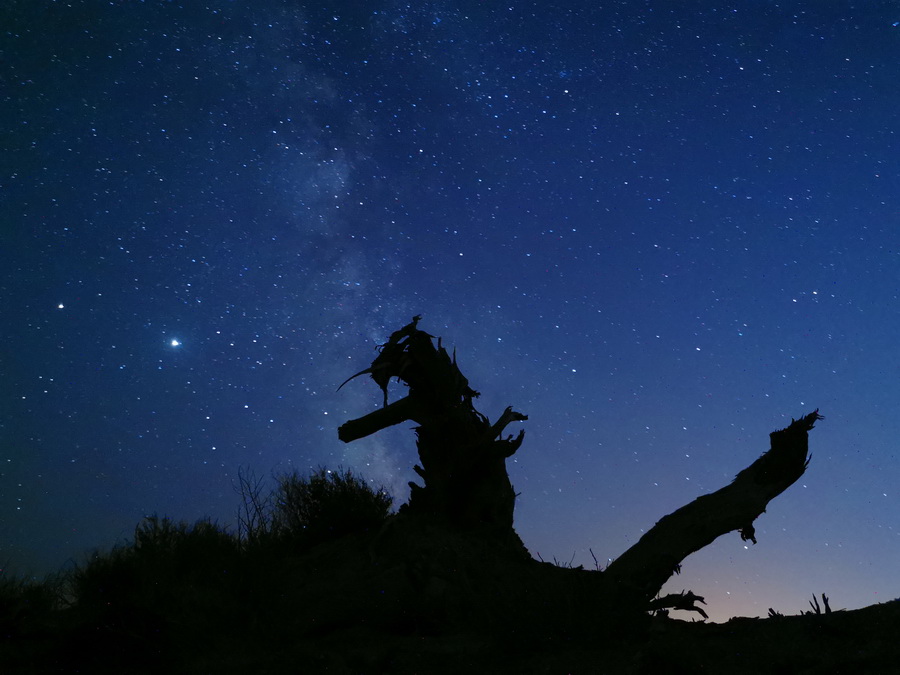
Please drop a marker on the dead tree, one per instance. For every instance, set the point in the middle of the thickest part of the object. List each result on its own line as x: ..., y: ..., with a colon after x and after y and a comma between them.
x: 463, y: 466
x: 462, y: 456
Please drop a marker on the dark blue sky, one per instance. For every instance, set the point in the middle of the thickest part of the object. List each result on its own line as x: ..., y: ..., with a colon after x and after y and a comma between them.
x: 659, y: 229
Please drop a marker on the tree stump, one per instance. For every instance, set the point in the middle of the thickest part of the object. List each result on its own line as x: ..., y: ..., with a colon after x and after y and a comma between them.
x: 462, y: 456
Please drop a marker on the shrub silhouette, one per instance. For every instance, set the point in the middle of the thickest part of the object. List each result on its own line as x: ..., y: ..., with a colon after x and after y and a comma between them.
x: 26, y: 605
x: 177, y: 569
x: 165, y: 555
x: 177, y: 585
x: 325, y: 505
x: 173, y: 583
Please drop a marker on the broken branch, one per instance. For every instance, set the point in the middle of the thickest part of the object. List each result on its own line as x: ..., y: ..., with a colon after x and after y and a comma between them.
x: 646, y: 566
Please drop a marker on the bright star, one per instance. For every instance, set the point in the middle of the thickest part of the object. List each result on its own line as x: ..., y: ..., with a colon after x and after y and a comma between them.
x: 175, y: 343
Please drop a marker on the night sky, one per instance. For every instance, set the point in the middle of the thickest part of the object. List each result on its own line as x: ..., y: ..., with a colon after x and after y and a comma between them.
x: 660, y: 229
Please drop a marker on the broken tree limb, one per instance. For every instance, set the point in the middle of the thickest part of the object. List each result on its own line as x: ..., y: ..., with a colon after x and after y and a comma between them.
x: 686, y: 600
x: 509, y: 415
x: 397, y: 412
x: 642, y: 570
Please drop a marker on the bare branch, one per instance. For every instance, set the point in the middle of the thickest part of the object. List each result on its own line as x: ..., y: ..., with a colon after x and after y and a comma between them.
x: 645, y: 567
x: 254, y: 513
x: 685, y: 600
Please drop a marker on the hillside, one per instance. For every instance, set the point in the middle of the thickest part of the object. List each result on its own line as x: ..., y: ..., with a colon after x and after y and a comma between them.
x: 405, y: 597
x: 321, y: 577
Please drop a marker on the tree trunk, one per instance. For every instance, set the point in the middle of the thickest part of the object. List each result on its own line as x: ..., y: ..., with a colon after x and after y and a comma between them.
x: 462, y: 455
x: 642, y: 570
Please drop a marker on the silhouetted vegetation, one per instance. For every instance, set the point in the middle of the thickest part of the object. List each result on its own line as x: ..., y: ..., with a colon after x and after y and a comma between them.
x: 175, y: 587
x: 306, y: 510
x: 27, y: 606
x: 327, y: 505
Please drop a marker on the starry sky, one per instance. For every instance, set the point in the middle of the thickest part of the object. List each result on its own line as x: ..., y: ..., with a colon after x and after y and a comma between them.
x: 660, y: 229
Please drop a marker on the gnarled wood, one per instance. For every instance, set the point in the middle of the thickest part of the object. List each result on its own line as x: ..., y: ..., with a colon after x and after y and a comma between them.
x: 645, y: 567
x: 462, y: 457
x: 397, y: 412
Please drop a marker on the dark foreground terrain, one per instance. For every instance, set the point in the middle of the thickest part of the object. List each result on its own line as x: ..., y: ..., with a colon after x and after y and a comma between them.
x: 403, y: 597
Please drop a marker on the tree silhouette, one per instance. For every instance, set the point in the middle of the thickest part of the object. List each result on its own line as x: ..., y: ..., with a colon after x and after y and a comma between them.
x: 463, y: 466
x: 462, y: 455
